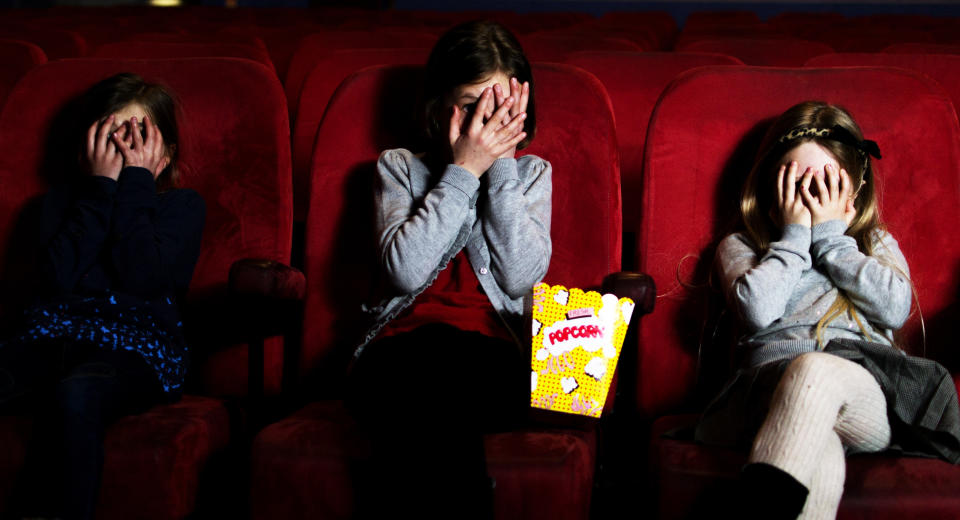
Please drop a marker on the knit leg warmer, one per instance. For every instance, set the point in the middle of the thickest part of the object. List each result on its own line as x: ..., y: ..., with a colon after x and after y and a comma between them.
x: 822, y: 403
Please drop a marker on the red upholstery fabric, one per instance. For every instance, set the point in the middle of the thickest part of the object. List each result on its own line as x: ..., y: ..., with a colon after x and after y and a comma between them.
x: 16, y: 57
x: 943, y: 68
x: 372, y: 111
x: 877, y: 486
x: 557, y: 47
x: 718, y: 113
x: 658, y: 23
x: 799, y: 23
x: 634, y: 82
x: 239, y: 162
x: 301, y: 468
x: 869, y: 38
x: 55, y: 43
x: 154, y: 460
x: 540, y: 473
x: 721, y: 114
x: 320, y: 44
x: 923, y: 48
x: 162, y: 50
x: 759, y: 51
x: 331, y: 68
x: 708, y: 19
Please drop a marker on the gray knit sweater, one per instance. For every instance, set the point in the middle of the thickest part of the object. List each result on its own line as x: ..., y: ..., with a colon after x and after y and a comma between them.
x: 422, y: 220
x: 780, y: 295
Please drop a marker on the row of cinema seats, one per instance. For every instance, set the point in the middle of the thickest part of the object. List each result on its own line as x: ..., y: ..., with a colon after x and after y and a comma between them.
x: 684, y: 122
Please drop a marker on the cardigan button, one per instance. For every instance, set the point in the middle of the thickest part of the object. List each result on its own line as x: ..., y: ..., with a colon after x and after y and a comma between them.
x: 483, y: 270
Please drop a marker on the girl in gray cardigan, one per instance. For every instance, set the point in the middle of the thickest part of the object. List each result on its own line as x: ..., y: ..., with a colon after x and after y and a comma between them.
x: 463, y: 234
x: 818, y: 286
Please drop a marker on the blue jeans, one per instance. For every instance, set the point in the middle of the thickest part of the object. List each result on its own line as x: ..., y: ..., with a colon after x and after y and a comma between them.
x: 74, y: 392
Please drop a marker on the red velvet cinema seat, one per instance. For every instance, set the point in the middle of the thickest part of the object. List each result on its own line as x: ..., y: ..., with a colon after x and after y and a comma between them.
x: 330, y: 69
x: 301, y: 465
x: 943, y: 68
x: 171, y: 50
x: 700, y: 146
x: 239, y: 161
x: 315, y: 46
x: 923, y: 48
x: 634, y: 82
x: 55, y: 43
x: 16, y: 58
x: 766, y: 52
x: 558, y: 46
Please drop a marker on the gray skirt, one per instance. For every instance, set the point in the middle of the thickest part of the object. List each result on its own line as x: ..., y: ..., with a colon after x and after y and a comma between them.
x: 921, y: 401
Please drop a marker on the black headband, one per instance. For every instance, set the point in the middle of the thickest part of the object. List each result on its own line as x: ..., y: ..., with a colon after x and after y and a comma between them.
x: 838, y: 134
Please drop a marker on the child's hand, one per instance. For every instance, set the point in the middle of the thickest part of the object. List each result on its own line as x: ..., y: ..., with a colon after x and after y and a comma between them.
x: 833, y: 199
x: 102, y: 155
x: 792, y: 210
x: 143, y: 151
x: 476, y: 148
x: 521, y: 95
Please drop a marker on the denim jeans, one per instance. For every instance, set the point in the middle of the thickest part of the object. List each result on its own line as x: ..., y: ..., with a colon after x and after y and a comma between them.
x: 74, y: 392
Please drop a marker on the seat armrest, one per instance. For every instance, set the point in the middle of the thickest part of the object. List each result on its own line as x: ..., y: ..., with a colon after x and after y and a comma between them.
x: 267, y: 301
x: 639, y: 287
x: 267, y: 279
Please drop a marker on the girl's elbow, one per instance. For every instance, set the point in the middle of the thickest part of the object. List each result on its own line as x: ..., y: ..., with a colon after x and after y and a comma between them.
x: 404, y: 280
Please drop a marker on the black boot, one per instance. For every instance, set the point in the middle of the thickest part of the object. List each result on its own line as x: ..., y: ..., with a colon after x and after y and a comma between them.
x: 766, y: 491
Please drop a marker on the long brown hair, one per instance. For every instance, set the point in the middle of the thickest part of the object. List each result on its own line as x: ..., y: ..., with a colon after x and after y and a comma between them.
x: 758, y: 199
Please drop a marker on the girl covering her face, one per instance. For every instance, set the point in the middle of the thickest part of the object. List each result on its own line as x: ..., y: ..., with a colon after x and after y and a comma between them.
x: 117, y: 249
x: 463, y: 234
x: 819, y: 286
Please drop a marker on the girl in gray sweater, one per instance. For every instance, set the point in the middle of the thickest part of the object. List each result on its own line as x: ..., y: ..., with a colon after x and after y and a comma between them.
x: 463, y: 234
x: 818, y: 286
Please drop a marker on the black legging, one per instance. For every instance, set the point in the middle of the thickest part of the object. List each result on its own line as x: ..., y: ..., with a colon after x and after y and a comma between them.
x: 426, y: 398
x: 75, y: 392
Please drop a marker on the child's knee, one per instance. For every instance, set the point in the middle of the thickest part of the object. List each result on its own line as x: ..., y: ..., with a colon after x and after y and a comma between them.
x: 81, y: 393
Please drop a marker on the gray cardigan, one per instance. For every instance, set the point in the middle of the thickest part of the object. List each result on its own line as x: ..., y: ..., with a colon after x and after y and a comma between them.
x: 782, y: 294
x: 422, y: 221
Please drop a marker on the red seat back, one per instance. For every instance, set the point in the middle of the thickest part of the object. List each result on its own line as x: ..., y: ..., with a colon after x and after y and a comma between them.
x: 169, y: 50
x: 55, y: 43
x: 238, y: 160
x: 315, y: 46
x: 16, y: 58
x: 700, y: 145
x: 634, y: 82
x: 923, y: 48
x: 558, y: 46
x: 372, y: 111
x: 762, y: 51
x: 943, y: 68
x: 331, y: 68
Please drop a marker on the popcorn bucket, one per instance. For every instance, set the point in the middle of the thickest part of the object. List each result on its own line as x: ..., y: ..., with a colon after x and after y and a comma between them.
x: 577, y: 338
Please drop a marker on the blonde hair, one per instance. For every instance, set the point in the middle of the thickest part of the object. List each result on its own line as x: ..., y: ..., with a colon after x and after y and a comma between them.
x: 758, y: 198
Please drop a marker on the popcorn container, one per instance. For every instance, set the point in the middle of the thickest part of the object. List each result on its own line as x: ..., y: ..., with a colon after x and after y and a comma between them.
x: 577, y: 338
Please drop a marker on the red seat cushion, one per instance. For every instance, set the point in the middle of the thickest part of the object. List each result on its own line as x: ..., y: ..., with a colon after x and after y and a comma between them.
x: 153, y: 460
x: 302, y: 468
x: 878, y: 486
